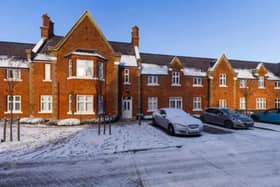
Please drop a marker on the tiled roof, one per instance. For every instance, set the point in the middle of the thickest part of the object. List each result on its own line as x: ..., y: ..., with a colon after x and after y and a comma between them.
x: 204, y: 63
x: 14, y: 49
x: 50, y: 43
x: 123, y: 47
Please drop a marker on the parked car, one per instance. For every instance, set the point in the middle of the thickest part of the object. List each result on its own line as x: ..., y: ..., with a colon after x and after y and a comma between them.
x: 226, y: 117
x: 176, y: 121
x: 270, y: 115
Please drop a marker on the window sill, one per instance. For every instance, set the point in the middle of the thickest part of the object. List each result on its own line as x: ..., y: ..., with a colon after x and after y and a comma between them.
x: 46, y: 80
x: 244, y: 87
x: 261, y: 87
x: 15, y: 80
x: 127, y: 83
x: 14, y: 112
x: 277, y: 88
x: 197, y: 85
x: 197, y: 110
x: 70, y: 113
x: 152, y: 84
x: 84, y: 113
x: 223, y: 86
x: 178, y: 85
x: 84, y: 78
x: 44, y: 112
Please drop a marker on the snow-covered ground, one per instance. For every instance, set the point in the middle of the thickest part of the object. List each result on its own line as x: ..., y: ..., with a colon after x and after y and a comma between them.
x: 141, y: 156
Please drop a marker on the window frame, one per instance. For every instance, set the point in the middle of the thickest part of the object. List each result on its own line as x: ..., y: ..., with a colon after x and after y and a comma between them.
x: 100, y: 104
x: 175, y: 78
x: 176, y: 101
x: 152, y: 80
x: 277, y: 103
x: 89, y: 66
x: 260, y: 103
x: 261, y: 83
x: 11, y: 71
x: 243, y: 83
x: 222, y: 103
x: 223, y: 80
x: 126, y: 76
x: 14, y: 102
x: 152, y: 104
x: 197, y: 104
x: 242, y: 103
x: 47, y: 72
x: 197, y: 83
x: 46, y: 101
x: 84, y: 102
x: 277, y: 84
x: 100, y: 70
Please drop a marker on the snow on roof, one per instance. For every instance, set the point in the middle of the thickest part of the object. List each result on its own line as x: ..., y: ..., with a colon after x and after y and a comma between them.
x: 154, y: 69
x: 38, y: 45
x: 244, y: 73
x: 44, y: 57
x: 259, y: 65
x: 13, y: 62
x: 194, y: 72
x: 272, y: 76
x: 128, y: 60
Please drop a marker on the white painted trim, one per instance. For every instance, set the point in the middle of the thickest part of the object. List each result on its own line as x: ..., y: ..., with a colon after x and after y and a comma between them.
x: 84, y: 113
x: 84, y: 78
x: 14, y: 112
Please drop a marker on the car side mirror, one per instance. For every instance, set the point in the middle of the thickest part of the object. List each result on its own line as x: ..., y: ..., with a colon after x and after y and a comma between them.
x: 163, y: 115
x: 220, y: 114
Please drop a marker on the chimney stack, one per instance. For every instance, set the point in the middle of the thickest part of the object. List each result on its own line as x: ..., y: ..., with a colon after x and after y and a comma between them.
x: 47, y: 27
x: 135, y: 36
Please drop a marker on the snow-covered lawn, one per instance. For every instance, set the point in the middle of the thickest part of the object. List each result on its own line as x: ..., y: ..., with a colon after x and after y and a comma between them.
x: 39, y: 142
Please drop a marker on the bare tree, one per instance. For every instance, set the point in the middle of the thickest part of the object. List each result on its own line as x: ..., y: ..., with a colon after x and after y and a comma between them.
x: 12, y: 66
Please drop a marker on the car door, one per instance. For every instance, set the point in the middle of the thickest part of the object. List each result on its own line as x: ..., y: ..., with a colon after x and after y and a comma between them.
x: 162, y: 118
x: 209, y: 115
x: 270, y: 116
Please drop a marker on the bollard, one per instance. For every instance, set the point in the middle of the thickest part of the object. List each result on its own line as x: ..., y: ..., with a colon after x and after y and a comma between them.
x: 110, y: 132
x: 18, y: 130
x: 99, y: 125
x: 11, y: 130
x: 104, y: 124
x: 4, y: 130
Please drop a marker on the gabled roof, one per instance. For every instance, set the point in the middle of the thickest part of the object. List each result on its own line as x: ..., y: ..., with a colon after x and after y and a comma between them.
x: 14, y: 49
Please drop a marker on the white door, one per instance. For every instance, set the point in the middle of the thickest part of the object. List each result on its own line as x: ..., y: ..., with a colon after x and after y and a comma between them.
x: 127, y: 107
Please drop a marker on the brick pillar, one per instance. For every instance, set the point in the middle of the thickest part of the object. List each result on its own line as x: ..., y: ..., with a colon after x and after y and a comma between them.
x: 54, y: 91
x: 234, y: 93
x: 210, y: 92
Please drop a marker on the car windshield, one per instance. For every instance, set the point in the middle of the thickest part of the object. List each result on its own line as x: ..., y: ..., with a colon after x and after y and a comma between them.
x: 175, y: 113
x: 229, y: 112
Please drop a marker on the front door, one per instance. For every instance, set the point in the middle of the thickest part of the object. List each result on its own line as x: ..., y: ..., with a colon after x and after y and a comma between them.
x: 127, y: 107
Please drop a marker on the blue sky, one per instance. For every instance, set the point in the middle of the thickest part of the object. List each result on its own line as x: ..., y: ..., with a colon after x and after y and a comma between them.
x: 242, y: 29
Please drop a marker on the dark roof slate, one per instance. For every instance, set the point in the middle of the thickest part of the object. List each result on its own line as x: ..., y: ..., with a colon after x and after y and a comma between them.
x: 15, y: 49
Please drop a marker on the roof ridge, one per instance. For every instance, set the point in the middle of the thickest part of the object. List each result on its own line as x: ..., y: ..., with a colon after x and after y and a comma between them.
x: 11, y: 42
x: 119, y: 42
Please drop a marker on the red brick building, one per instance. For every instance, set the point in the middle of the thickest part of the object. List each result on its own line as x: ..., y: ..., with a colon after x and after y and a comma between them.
x: 82, y: 74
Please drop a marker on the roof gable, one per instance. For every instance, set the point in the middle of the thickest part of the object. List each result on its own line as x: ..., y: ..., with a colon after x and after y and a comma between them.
x: 85, y: 16
x: 222, y: 59
x: 261, y: 70
x: 176, y: 63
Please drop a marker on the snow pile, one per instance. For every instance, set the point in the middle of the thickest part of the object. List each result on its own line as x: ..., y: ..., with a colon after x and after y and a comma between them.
x: 194, y: 72
x: 69, y: 122
x: 32, y: 120
x: 44, y: 57
x: 272, y: 76
x: 154, y: 69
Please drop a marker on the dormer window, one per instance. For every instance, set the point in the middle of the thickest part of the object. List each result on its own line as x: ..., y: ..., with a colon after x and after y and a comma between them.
x: 175, y: 78
x: 100, y: 70
x: 223, y: 80
x: 85, y: 68
x: 261, y: 82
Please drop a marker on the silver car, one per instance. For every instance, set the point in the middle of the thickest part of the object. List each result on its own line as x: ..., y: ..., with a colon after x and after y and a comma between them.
x: 176, y: 121
x: 226, y: 117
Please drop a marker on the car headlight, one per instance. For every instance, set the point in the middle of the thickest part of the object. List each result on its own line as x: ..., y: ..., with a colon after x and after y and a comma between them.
x: 180, y: 125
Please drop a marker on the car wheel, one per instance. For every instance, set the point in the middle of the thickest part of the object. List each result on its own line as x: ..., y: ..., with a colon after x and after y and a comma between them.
x: 171, y: 130
x: 255, y: 118
x: 154, y: 121
x: 228, y: 124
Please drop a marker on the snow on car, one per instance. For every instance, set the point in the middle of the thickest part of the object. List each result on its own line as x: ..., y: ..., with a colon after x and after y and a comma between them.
x: 176, y: 121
